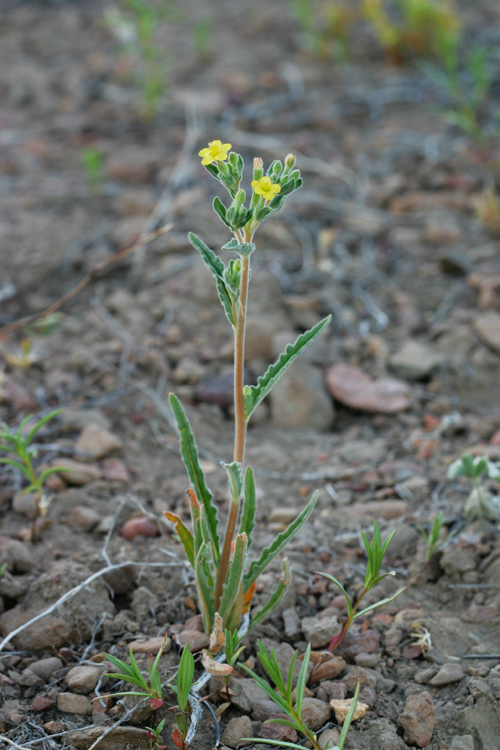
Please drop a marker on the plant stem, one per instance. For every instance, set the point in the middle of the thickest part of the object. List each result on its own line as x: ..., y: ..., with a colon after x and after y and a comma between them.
x: 240, y: 423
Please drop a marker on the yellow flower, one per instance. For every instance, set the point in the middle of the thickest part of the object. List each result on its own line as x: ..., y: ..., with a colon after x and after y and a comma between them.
x: 216, y: 151
x: 266, y: 187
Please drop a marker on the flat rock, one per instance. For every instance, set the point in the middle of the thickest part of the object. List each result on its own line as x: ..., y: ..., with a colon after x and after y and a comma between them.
x: 236, y: 729
x: 327, y: 670
x: 247, y: 694
x: 487, y: 327
x: 45, y: 668
x: 418, y: 719
x: 278, y: 732
x: 353, y: 387
x: 97, y: 442
x: 315, y: 713
x: 120, y: 738
x: 82, y: 518
x: 42, y: 703
x: 415, y: 361
x: 71, y: 703
x: 76, y: 472
x: 318, y: 632
x: 462, y: 742
x: 196, y: 640
x: 366, y: 642
x: 83, y: 680
x: 115, y: 470
x: 447, y: 674
x: 151, y: 646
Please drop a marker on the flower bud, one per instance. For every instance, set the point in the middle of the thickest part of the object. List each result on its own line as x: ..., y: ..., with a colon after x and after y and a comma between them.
x: 258, y: 168
x: 290, y: 161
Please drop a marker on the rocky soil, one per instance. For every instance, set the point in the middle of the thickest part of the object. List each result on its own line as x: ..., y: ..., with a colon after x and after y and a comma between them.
x: 384, y: 236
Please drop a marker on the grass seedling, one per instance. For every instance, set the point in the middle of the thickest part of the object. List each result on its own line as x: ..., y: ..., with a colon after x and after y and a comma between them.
x: 224, y: 581
x: 292, y: 707
x: 20, y: 445
x: 133, y: 675
x: 375, y: 553
x: 93, y: 162
x: 154, y: 736
x: 232, y: 650
x: 480, y: 503
x: 182, y: 687
x: 433, y: 543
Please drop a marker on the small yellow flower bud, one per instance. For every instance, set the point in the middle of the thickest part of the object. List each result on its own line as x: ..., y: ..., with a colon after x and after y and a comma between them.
x: 290, y: 161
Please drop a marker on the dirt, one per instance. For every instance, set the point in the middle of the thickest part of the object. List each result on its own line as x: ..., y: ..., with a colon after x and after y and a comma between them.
x: 383, y: 235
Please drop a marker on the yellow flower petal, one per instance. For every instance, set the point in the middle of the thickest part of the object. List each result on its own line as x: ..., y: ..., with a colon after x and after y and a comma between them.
x: 215, y: 145
x: 221, y: 156
x: 204, y: 152
x: 226, y: 147
x: 277, y: 188
x: 208, y: 159
x: 255, y: 183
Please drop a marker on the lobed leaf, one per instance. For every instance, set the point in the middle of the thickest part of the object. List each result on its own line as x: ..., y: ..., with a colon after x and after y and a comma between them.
x: 196, y: 475
x: 269, y: 553
x: 242, y: 248
x: 234, y: 472
x: 254, y: 394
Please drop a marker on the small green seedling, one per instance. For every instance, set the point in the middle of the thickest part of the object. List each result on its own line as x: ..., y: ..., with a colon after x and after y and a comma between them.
x: 433, y: 543
x: 154, y: 736
x: 3, y: 568
x: 19, y: 444
x: 93, y: 162
x: 287, y: 704
x: 182, y: 687
x: 480, y: 503
x: 232, y: 650
x: 225, y: 581
x: 375, y: 553
x: 133, y: 675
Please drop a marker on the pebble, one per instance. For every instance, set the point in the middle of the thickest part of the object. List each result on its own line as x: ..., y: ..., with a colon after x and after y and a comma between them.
x: 11, y: 586
x: 248, y: 695
x: 77, y: 472
x: 45, y: 668
x: 278, y: 732
x: 457, y: 561
x: 196, y: 640
x: 487, y: 327
x: 353, y: 387
x: 17, y: 555
x: 329, y: 738
x: 415, y: 361
x: 299, y: 399
x: 327, y: 670
x: 54, y: 727
x: 387, y: 509
x: 97, y: 442
x: 418, y: 719
x: 83, y: 680
x: 315, y: 713
x: 140, y: 526
x: 341, y: 709
x: 358, y: 674
x: 283, y: 515
x: 42, y: 703
x: 477, y: 613
x: 24, y: 504
x: 425, y: 675
x: 115, y: 470
x: 462, y: 742
x: 151, y: 646
x: 82, y: 518
x: 119, y: 738
x: 71, y: 703
x: 367, y: 660
x: 447, y: 674
x: 236, y: 729
x: 334, y: 690
x: 318, y: 632
x: 30, y: 679
x: 291, y: 623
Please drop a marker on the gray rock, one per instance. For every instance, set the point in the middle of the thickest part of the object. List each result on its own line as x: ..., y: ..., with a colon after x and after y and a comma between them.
x: 83, y: 680
x: 361, y: 675
x: 247, y: 694
x: 71, y: 703
x: 45, y: 668
x: 30, y: 679
x: 82, y: 518
x: 318, y: 632
x: 367, y: 660
x: 97, y: 442
x: 12, y: 586
x: 17, y: 555
x: 382, y: 735
x: 284, y: 655
x: 462, y: 742
x: 456, y: 561
x: 415, y: 361
x: 299, y: 399
x: 315, y: 713
x: 291, y: 623
x: 24, y: 503
x: 235, y: 730
x: 328, y: 738
x: 447, y: 674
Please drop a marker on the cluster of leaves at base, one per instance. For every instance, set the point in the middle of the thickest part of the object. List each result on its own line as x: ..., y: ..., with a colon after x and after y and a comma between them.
x: 481, y: 503
x: 288, y: 704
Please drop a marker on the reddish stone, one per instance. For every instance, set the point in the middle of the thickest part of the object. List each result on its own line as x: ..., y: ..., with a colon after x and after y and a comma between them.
x: 477, y: 613
x: 353, y: 387
x: 278, y: 732
x: 359, y: 643
x: 42, y: 703
x: 115, y: 470
x: 140, y: 526
x: 412, y: 651
x: 384, y: 619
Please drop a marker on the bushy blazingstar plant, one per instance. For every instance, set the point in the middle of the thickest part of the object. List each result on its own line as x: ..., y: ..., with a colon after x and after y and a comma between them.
x: 224, y: 578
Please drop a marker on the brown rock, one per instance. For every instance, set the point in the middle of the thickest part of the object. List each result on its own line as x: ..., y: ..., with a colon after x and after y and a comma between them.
x: 151, y: 646
x: 278, y: 732
x: 299, y: 399
x: 42, y: 703
x: 17, y: 555
x: 237, y: 728
x: 366, y: 642
x: 487, y: 326
x: 77, y: 473
x: 477, y: 613
x: 358, y: 674
x: 327, y: 670
x: 115, y: 470
x: 82, y: 518
x: 353, y: 387
x: 120, y: 738
x: 418, y: 719
x: 71, y: 703
x: 197, y: 641
x: 83, y: 680
x: 386, y: 509
x: 140, y: 526
x: 315, y: 713
x: 54, y: 727
x: 97, y: 442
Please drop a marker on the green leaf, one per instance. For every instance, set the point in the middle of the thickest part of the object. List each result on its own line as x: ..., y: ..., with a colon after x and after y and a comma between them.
x: 276, y: 597
x: 234, y: 577
x: 17, y: 465
x: 337, y: 583
x: 277, y: 743
x: 379, y: 604
x: 285, y: 723
x: 132, y: 680
x: 234, y: 472
x: 249, y: 506
x: 204, y: 586
x: 217, y: 268
x: 195, y: 472
x: 242, y: 248
x: 254, y: 394
x: 29, y: 437
x: 301, y: 682
x: 184, y: 535
x: 269, y: 553
x: 53, y: 470
x: 266, y: 687
x: 221, y: 211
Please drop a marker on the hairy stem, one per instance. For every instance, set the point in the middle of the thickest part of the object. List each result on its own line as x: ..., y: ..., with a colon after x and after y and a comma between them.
x: 240, y: 423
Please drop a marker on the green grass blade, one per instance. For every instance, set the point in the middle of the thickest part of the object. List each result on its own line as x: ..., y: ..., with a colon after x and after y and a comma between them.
x: 254, y: 394
x: 249, y: 506
x: 379, y: 604
x: 337, y: 583
x: 269, y: 553
x: 266, y: 687
x: 31, y: 434
x: 195, y: 472
x: 17, y: 465
x: 276, y: 597
x: 348, y: 718
x: 217, y: 268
